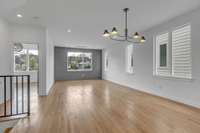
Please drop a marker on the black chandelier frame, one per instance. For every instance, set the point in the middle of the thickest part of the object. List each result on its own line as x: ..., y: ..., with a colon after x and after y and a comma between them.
x: 126, y: 37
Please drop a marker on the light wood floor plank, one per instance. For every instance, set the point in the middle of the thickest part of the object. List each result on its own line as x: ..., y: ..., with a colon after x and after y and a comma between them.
x: 98, y: 106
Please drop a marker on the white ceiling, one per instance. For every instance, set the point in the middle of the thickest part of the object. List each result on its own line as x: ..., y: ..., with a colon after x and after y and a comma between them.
x: 88, y: 18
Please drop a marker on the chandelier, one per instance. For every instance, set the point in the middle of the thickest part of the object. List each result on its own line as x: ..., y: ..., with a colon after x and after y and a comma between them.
x: 18, y: 47
x: 114, y: 35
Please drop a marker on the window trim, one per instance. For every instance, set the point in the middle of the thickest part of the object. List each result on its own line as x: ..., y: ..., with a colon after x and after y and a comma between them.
x: 171, y: 76
x: 106, y: 61
x: 157, y: 52
x: 129, y: 59
x: 80, y: 70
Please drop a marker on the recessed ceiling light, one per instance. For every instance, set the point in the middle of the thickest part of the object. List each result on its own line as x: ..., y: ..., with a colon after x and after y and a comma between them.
x: 69, y: 30
x: 36, y: 18
x: 19, y: 16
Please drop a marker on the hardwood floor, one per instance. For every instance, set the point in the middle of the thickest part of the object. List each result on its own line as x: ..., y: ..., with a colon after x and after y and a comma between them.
x: 96, y: 106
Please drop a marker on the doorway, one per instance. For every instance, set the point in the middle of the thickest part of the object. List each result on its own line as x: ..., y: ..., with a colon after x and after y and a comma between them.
x: 26, y: 62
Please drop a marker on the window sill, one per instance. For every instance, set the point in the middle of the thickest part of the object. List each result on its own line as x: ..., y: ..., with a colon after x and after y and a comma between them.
x: 25, y: 71
x: 79, y: 70
x: 172, y: 78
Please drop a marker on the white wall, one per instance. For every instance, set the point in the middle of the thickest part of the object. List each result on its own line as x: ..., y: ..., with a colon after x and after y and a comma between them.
x: 49, y: 61
x: 33, y: 75
x: 185, y: 91
x: 4, y: 49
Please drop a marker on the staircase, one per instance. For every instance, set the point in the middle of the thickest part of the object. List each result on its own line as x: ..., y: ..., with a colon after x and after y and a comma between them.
x: 15, y: 95
x: 14, y: 100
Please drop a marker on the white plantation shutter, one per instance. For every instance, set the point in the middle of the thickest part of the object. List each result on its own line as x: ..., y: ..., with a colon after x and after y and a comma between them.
x: 129, y: 59
x: 160, y: 40
x: 181, y: 52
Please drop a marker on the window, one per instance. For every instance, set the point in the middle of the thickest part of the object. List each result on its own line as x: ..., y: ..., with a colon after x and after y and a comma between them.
x: 178, y: 62
x: 163, y: 55
x: 21, y: 60
x: 162, y: 65
x: 33, y: 60
x: 129, y: 59
x: 106, y: 61
x: 79, y: 61
x: 26, y: 60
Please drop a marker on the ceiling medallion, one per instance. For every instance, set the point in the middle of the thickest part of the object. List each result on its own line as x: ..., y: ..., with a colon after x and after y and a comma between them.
x: 114, y: 34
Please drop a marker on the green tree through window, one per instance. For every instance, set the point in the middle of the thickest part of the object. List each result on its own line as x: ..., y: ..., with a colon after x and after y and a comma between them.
x: 26, y: 60
x: 79, y: 61
x: 33, y: 60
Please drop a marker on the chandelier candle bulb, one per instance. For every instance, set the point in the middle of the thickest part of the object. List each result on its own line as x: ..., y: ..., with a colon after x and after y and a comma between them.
x: 136, y: 35
x: 143, y: 39
x: 106, y: 33
x: 114, y: 31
